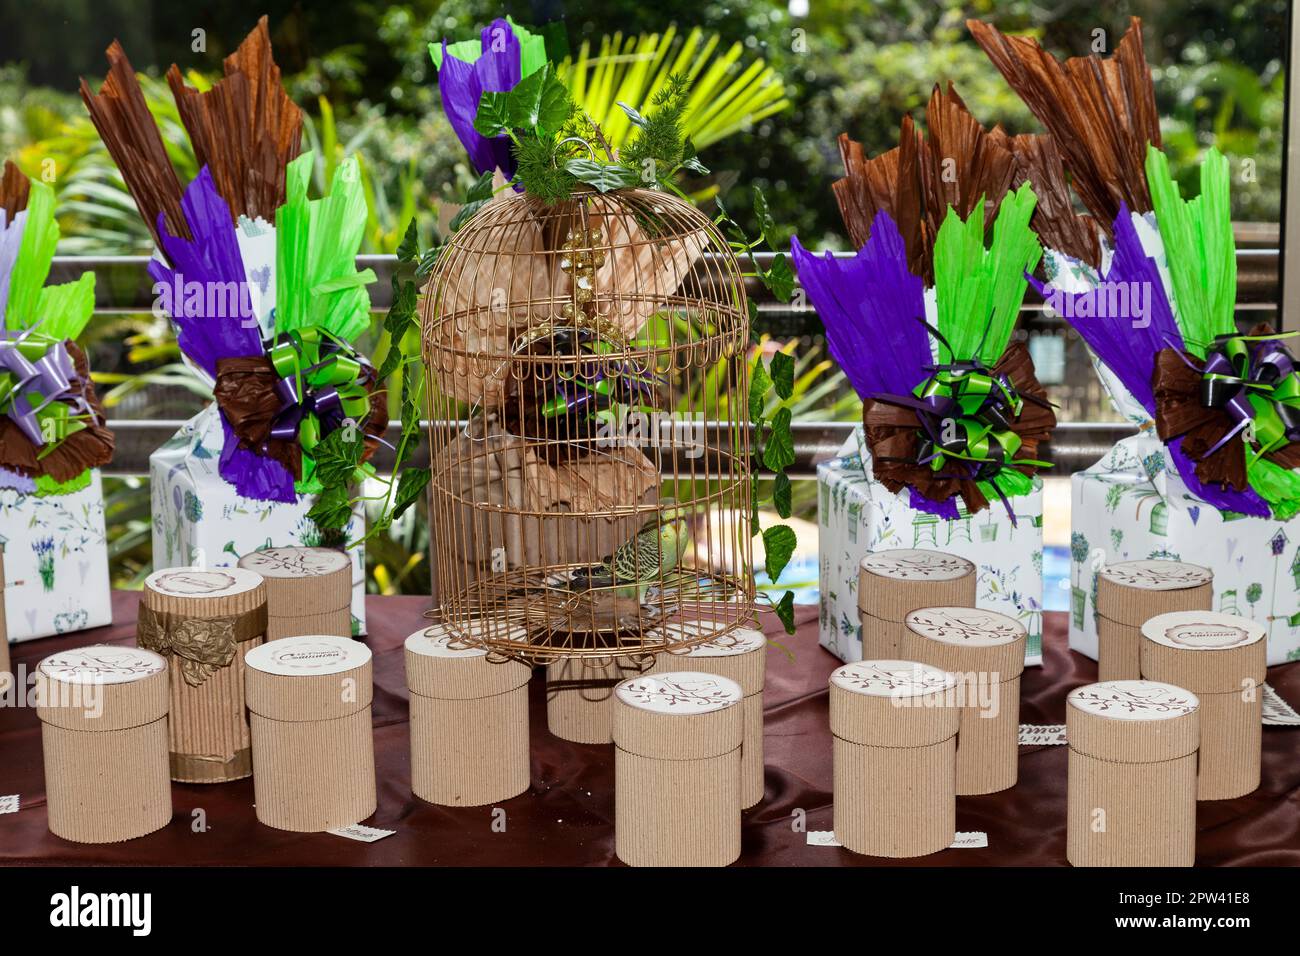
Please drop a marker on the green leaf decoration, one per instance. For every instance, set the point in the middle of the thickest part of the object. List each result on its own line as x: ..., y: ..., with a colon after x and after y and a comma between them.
x: 400, y: 319
x: 759, y: 383
x: 481, y: 191
x: 317, y: 282
x: 493, y: 115
x: 754, y: 526
x: 785, y: 611
x: 605, y: 177
x: 61, y: 310
x: 332, y: 509
x: 409, y: 488
x: 783, y: 375
x: 780, y: 278
x: 539, y: 103
x: 782, y: 495
x: 409, y: 248
x: 1197, y: 235
x: 979, y: 291
x: 778, y: 545
x: 778, y: 452
x: 337, y: 458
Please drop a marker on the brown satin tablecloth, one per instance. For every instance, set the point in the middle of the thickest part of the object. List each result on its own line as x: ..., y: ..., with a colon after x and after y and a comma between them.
x: 567, y: 817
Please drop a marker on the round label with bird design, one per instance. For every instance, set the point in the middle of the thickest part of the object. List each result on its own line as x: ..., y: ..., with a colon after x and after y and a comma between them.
x: 738, y: 640
x: 1134, y: 700
x: 911, y: 564
x: 102, y: 664
x: 687, y: 693
x: 295, y: 562
x: 892, y: 678
x: 965, y: 626
x: 1157, y: 575
x: 443, y: 640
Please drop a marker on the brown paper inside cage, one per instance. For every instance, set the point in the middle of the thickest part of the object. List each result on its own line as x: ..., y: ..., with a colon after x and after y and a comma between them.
x: 590, y: 444
x: 208, y: 727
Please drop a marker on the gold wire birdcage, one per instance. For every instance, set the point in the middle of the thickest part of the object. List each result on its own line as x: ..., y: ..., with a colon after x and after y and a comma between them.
x: 590, y: 489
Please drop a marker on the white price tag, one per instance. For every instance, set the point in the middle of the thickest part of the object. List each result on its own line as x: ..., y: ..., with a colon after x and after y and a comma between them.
x: 1042, y: 735
x: 1277, y: 712
x: 361, y: 833
x: 972, y: 840
x: 9, y: 803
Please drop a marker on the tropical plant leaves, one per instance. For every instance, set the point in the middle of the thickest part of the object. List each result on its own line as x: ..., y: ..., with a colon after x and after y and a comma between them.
x: 605, y: 177
x: 778, y: 545
x: 778, y: 451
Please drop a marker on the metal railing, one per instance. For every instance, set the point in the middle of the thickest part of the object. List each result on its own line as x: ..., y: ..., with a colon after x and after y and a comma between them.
x: 123, y: 286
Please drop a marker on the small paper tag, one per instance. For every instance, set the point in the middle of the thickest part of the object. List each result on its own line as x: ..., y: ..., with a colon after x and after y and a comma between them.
x: 973, y: 840
x: 1042, y: 735
x: 9, y: 803
x: 362, y: 834
x: 1277, y: 712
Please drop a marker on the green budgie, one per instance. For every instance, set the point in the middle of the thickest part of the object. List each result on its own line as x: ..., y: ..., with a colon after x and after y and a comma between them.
x: 611, y: 595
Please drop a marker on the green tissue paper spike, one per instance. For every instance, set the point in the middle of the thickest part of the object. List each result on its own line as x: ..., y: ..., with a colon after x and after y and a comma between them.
x: 317, y: 282
x: 1279, y: 486
x: 1197, y: 236
x: 532, y: 50
x: 61, y: 311
x: 979, y: 291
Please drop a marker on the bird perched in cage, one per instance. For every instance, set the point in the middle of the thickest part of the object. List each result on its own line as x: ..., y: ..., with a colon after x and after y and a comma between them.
x: 613, y: 594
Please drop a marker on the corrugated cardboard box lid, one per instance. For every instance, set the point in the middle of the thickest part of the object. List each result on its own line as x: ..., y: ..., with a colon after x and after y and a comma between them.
x: 318, y: 677
x: 893, y: 704
x: 892, y: 583
x: 1129, y: 592
x: 302, y: 581
x: 204, y: 592
x: 680, y: 715
x: 102, y: 688
x: 441, y: 665
x: 1133, y: 721
x: 740, y: 654
x: 965, y: 639
x: 1205, y: 651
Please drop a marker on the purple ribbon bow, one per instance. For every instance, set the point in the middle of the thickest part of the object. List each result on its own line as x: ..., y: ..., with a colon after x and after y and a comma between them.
x: 52, y: 377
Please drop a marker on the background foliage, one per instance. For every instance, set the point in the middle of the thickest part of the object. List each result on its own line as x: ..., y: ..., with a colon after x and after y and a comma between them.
x: 360, y: 70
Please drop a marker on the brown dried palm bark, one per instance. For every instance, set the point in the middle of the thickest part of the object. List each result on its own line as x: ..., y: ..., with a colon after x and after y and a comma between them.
x: 122, y: 118
x: 14, y: 190
x: 245, y: 129
x: 1101, y: 113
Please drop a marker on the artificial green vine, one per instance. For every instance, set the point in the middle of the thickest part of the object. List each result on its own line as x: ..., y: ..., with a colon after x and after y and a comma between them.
x: 339, y: 454
x: 774, y: 441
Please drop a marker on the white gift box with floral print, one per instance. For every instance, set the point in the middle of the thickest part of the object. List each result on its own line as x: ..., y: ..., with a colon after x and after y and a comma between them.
x: 1132, y: 505
x: 56, y: 561
x: 198, y: 518
x: 857, y: 514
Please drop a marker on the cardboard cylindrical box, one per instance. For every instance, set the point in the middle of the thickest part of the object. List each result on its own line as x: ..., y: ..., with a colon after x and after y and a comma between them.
x: 469, y: 721
x: 204, y: 621
x: 985, y: 651
x: 6, y: 673
x: 892, y: 583
x: 1131, y: 792
x: 1221, y: 658
x: 580, y: 695
x: 313, y: 747
x: 677, y: 740
x: 103, y: 713
x: 894, y: 729
x: 308, y: 590
x: 740, y: 655
x: 1130, y: 592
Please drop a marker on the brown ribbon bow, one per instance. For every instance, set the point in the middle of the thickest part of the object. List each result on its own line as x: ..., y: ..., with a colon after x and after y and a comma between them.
x: 203, y: 644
